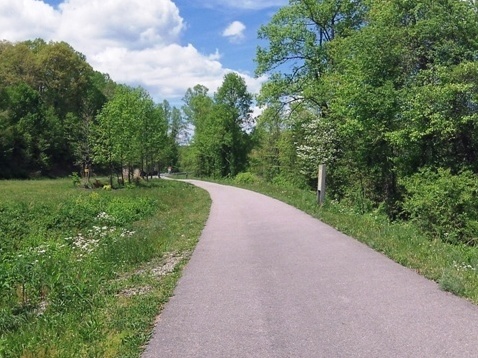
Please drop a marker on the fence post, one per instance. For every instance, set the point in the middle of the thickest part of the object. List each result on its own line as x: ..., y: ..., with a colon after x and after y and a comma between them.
x: 321, y: 184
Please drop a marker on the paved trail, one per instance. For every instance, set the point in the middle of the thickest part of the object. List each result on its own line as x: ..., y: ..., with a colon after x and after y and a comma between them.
x: 267, y: 280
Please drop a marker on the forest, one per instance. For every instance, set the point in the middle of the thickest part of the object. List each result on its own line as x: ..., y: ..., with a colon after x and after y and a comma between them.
x: 385, y: 93
x: 58, y: 116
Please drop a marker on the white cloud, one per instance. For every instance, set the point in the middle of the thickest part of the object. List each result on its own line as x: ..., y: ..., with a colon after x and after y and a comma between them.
x: 135, y: 24
x: 166, y: 71
x: 216, y: 56
x: 27, y: 19
x: 135, y: 41
x: 235, y: 31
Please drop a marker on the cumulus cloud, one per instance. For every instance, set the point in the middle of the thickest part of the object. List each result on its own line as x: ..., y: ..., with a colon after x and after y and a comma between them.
x: 135, y: 41
x: 235, y: 31
x: 135, y: 24
x: 27, y: 19
x: 166, y: 71
x: 216, y: 56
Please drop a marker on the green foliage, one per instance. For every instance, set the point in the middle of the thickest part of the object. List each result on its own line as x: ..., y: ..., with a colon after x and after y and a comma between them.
x: 48, y: 97
x: 443, y: 205
x: 377, y: 90
x: 71, y: 257
x: 129, y: 210
x: 220, y: 142
x: 246, y: 178
x: 75, y: 179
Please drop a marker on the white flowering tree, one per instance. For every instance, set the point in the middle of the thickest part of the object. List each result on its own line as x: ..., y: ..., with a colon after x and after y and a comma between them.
x: 319, y: 143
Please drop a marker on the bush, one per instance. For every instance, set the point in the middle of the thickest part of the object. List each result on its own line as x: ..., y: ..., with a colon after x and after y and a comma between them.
x: 75, y: 179
x: 246, y: 178
x: 443, y: 205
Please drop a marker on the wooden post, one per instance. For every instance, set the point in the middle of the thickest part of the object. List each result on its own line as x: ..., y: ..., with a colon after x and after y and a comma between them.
x: 321, y: 184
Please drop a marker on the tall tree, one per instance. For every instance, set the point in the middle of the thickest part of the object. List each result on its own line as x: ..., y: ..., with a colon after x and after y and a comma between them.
x: 175, y: 131
x: 197, y: 109
x: 233, y: 102
x: 130, y: 132
x: 298, y: 38
x: 220, y: 142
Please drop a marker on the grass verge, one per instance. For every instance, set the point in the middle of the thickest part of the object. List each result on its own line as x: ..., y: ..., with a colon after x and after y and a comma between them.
x: 453, y: 266
x: 85, y: 272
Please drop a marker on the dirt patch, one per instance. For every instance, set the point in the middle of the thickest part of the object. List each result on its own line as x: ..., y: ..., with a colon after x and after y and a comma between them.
x: 156, y: 269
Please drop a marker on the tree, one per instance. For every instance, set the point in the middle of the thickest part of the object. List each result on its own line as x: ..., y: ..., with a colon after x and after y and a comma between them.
x: 197, y: 109
x: 80, y: 125
x: 220, y: 140
x: 233, y: 104
x: 274, y: 155
x: 298, y: 38
x: 130, y: 132
x: 300, y: 60
x: 393, y: 80
x: 175, y: 132
x: 401, y: 95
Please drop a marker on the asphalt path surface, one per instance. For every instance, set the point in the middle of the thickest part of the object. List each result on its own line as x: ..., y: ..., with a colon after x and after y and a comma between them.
x: 267, y: 280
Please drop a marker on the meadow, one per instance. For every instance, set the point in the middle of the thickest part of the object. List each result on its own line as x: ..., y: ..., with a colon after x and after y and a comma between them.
x: 84, y: 273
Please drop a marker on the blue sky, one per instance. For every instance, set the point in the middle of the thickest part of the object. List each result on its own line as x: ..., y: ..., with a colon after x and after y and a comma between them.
x: 165, y: 46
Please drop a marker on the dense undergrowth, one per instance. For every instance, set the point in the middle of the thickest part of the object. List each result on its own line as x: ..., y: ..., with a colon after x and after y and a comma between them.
x: 84, y: 272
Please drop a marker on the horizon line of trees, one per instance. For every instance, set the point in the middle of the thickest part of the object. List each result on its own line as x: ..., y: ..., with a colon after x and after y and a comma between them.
x: 58, y: 115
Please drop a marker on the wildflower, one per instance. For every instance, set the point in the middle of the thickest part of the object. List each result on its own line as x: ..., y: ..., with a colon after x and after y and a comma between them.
x: 105, y: 216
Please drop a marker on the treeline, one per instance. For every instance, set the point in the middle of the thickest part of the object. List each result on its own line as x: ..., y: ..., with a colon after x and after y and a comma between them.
x: 386, y: 94
x: 222, y: 128
x: 58, y: 115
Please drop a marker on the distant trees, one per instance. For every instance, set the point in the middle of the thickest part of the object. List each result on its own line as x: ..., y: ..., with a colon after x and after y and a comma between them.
x: 49, y: 95
x: 176, y: 134
x: 130, y: 132
x: 220, y: 143
x: 58, y: 115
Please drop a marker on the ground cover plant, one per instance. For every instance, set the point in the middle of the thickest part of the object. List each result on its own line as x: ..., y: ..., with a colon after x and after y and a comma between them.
x: 84, y: 272
x: 453, y: 264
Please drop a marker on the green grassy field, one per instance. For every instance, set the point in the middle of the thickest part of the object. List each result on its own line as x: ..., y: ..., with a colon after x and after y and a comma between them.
x: 453, y: 266
x: 83, y: 273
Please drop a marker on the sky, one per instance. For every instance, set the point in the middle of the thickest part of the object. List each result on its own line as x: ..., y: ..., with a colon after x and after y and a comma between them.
x: 165, y: 46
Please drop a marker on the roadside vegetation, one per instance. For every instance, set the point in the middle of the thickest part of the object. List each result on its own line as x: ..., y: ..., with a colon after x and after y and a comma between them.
x: 453, y: 265
x: 84, y: 272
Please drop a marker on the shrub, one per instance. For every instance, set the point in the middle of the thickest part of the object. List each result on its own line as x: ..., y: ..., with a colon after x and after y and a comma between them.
x: 246, y: 178
x: 443, y: 205
x: 75, y: 179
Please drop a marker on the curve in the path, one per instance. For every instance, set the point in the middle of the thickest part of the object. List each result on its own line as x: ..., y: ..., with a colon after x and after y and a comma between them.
x: 267, y: 280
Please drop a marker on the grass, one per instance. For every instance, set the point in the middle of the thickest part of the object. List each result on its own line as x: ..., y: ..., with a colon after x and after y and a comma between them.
x: 85, y: 272
x: 453, y: 266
